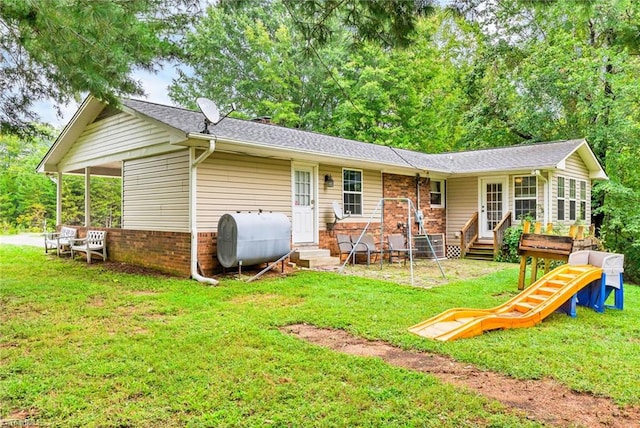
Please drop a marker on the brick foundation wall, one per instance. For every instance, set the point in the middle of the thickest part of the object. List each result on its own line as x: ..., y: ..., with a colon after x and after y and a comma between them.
x: 207, y: 253
x: 165, y: 251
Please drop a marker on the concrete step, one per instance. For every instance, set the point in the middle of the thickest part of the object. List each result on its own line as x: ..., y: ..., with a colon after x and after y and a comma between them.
x: 315, y: 262
x: 309, y: 253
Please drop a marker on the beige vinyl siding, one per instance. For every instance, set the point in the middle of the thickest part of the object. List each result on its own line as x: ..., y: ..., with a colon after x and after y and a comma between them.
x: 229, y: 182
x: 461, y: 204
x: 155, y: 194
x: 371, y: 194
x: 117, y: 135
x: 574, y: 169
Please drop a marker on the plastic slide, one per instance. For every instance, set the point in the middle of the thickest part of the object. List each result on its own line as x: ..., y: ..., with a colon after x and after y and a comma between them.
x: 526, y: 309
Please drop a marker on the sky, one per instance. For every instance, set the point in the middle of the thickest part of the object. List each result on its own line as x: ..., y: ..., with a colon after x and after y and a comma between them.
x: 155, y: 87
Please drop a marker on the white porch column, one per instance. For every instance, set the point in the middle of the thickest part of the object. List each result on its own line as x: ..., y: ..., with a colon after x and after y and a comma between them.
x: 59, y: 199
x: 87, y: 197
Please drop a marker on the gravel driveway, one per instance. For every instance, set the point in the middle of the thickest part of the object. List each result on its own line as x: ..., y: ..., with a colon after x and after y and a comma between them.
x: 30, y: 239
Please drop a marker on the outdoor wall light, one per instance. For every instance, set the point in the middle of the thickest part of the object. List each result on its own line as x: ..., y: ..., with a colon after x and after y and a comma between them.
x: 328, y: 180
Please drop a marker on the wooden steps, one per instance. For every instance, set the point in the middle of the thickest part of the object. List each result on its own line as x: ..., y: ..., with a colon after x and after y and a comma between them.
x: 480, y: 250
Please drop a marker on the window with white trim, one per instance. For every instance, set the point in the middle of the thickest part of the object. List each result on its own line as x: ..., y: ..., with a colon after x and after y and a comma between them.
x: 572, y: 199
x: 352, y: 191
x: 583, y: 200
x: 437, y: 193
x: 561, y: 198
x: 525, y: 189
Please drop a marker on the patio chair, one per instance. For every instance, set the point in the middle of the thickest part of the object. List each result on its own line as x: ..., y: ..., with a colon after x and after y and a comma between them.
x: 344, y: 246
x: 59, y: 241
x: 367, y: 245
x: 95, y: 243
x: 397, y: 245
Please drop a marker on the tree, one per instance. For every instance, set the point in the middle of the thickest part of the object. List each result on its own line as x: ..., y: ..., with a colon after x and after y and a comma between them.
x: 26, y: 198
x: 402, y: 97
x: 56, y: 49
x: 254, y: 57
x: 385, y: 22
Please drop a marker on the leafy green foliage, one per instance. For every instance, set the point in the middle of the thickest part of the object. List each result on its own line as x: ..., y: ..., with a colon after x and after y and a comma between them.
x: 388, y: 23
x: 261, y: 62
x: 511, y: 240
x: 57, y: 49
x: 28, y: 199
x: 621, y: 226
x: 258, y: 64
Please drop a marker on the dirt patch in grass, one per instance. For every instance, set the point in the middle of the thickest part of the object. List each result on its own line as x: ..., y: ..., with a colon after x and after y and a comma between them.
x: 131, y: 269
x: 20, y: 418
x: 545, y: 400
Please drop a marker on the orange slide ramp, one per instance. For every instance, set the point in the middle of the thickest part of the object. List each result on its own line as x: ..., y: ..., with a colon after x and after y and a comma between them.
x: 524, y: 310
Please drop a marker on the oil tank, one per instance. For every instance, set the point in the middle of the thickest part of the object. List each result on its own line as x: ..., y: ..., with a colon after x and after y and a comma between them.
x: 252, y: 238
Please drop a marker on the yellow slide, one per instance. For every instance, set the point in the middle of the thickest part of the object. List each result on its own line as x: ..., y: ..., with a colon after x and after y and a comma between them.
x: 524, y: 310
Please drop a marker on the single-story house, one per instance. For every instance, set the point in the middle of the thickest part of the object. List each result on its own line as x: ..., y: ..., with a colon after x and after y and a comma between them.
x: 179, y: 178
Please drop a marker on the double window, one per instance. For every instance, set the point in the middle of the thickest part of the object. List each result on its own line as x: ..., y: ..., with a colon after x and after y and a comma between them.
x: 572, y: 199
x: 525, y: 196
x: 352, y: 191
x: 561, y: 198
x: 575, y: 193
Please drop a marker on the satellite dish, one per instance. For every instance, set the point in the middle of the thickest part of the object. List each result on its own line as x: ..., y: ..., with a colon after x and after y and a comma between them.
x: 338, y: 213
x: 210, y: 111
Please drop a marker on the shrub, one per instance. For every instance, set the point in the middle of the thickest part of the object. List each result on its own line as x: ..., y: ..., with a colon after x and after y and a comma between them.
x: 509, y: 250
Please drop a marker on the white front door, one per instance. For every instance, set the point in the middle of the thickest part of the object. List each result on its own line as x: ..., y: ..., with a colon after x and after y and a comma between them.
x: 493, y: 204
x: 303, y: 212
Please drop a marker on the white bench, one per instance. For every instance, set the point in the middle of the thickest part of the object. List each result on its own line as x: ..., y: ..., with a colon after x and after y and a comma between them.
x: 95, y: 243
x: 60, y: 241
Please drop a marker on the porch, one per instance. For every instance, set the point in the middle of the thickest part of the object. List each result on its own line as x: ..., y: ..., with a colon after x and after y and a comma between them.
x: 472, y: 246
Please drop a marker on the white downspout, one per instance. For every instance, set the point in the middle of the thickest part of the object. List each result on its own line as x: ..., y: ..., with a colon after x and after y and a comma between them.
x: 547, y: 197
x: 193, y: 207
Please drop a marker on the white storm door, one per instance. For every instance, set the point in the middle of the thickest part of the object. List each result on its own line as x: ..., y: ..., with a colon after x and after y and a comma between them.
x: 304, y: 217
x: 492, y: 205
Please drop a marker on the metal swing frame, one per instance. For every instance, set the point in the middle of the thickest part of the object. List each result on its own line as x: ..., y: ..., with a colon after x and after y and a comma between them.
x: 380, y: 209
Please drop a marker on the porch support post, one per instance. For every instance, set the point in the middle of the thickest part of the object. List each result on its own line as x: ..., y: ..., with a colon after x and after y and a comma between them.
x: 87, y: 197
x: 59, y: 199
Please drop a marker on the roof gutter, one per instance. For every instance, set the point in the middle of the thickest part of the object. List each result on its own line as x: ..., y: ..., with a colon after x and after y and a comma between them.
x: 403, y: 166
x: 193, y: 207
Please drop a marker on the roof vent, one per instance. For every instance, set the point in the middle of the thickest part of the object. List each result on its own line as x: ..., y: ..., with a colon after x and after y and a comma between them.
x: 263, y: 119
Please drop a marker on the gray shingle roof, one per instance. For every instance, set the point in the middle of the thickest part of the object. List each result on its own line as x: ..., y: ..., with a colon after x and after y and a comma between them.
x: 478, y: 161
x: 268, y: 135
x: 541, y: 155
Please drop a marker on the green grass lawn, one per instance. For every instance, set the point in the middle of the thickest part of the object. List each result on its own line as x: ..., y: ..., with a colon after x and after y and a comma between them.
x: 87, y: 347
